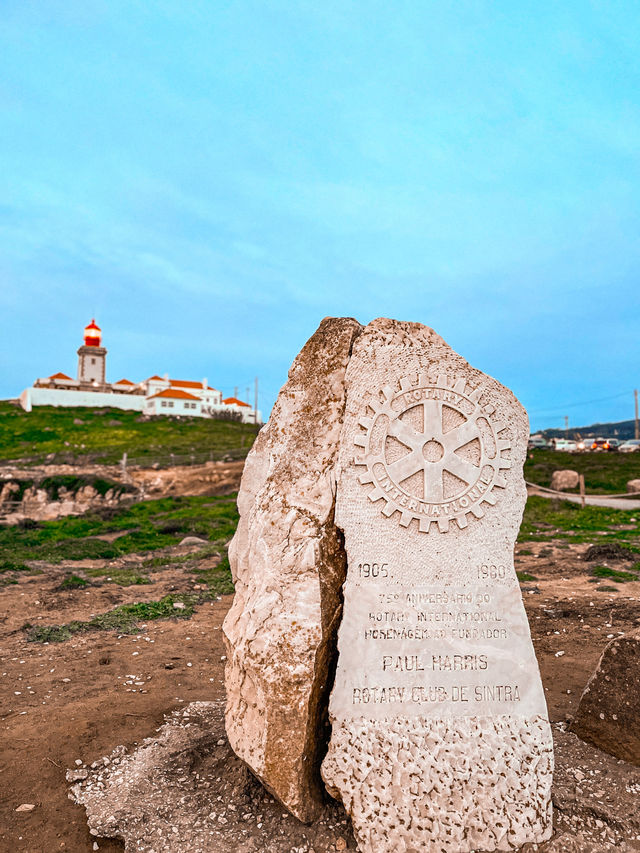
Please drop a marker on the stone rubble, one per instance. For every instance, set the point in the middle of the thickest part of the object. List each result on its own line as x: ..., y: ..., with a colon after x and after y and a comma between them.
x: 184, y: 791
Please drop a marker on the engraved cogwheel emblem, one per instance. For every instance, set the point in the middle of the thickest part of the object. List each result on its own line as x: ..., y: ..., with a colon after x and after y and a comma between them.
x: 433, y: 451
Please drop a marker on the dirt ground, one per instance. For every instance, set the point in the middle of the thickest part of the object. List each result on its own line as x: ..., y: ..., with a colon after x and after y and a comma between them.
x: 75, y: 701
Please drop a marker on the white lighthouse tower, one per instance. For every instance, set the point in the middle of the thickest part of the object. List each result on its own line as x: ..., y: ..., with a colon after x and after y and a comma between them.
x: 92, y: 357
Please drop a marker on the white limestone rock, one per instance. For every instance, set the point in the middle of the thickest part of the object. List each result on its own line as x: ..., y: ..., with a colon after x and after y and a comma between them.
x: 562, y: 480
x: 440, y: 738
x: 288, y: 565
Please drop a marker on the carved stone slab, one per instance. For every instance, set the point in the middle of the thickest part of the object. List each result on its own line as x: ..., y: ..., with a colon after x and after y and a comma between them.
x: 288, y: 566
x: 440, y: 738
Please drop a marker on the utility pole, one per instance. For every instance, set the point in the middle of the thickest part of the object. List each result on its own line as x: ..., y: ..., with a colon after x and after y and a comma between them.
x: 235, y: 391
x: 255, y: 402
x: 566, y: 425
x: 635, y: 395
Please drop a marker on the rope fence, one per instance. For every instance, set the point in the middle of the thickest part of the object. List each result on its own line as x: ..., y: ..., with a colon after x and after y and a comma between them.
x: 581, y: 493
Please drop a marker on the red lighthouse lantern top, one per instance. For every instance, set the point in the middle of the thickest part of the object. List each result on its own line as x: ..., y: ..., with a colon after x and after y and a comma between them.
x: 92, y: 334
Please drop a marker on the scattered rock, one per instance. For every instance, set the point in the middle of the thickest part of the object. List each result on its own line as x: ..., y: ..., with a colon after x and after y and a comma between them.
x: 8, y: 490
x: 633, y: 487
x: 26, y: 807
x: 184, y: 791
x: 193, y: 540
x: 608, y: 715
x: 565, y: 479
x: 76, y: 775
x: 78, y: 421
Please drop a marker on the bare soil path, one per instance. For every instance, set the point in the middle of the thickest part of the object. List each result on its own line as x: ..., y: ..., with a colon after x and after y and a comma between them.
x: 79, y: 699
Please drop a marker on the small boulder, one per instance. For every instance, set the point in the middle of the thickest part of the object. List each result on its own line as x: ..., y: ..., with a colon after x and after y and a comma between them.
x: 608, y: 715
x: 193, y: 540
x: 633, y: 487
x: 563, y: 480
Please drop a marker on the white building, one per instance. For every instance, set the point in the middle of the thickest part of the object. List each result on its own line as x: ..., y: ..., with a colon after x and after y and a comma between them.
x: 173, y: 401
x: 158, y: 395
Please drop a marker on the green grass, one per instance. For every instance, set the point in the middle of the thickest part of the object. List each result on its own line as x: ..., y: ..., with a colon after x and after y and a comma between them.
x: 121, y: 577
x: 615, y: 575
x: 217, y: 578
x: 73, y: 582
x: 49, y: 434
x: 10, y: 565
x: 604, y: 473
x: 181, y: 559
x: 71, y: 538
x: 546, y: 518
x: 125, y: 619
x: 525, y: 577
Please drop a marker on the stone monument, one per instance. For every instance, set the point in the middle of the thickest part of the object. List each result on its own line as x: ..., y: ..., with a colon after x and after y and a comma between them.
x: 440, y: 739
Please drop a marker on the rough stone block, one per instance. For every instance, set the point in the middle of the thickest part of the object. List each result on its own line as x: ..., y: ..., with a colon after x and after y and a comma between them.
x: 563, y: 480
x: 288, y: 566
x: 608, y: 715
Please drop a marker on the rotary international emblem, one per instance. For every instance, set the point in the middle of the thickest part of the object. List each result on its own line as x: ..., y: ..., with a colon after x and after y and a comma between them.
x: 432, y: 451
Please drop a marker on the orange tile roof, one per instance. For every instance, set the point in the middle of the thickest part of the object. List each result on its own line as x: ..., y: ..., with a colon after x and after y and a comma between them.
x: 175, y: 393
x: 158, y: 378
x: 187, y: 383
x: 124, y: 382
x: 233, y: 401
x: 60, y: 376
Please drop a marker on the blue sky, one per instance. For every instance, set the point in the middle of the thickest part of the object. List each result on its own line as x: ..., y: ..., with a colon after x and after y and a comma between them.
x: 211, y: 179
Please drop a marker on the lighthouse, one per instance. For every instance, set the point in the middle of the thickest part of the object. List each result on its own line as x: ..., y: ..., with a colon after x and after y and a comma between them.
x: 92, y: 357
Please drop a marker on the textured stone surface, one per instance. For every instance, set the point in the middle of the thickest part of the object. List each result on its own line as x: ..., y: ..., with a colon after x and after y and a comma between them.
x: 440, y: 740
x: 289, y: 565
x: 608, y: 715
x: 565, y: 479
x: 183, y: 791
x: 633, y: 487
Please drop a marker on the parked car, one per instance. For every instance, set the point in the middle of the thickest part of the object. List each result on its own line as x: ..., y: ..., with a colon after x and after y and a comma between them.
x: 565, y: 444
x: 631, y: 446
x: 605, y: 444
x: 583, y: 445
x: 539, y: 442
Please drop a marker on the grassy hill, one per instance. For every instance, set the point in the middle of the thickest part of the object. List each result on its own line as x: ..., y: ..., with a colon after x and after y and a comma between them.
x: 619, y: 429
x: 603, y: 472
x: 100, y: 436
